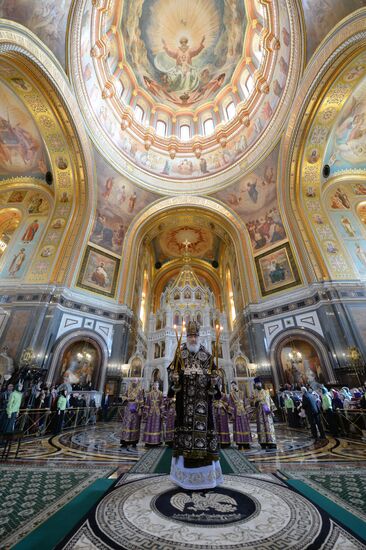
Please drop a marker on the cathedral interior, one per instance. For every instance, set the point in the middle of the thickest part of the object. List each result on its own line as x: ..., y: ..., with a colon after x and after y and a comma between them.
x: 169, y: 161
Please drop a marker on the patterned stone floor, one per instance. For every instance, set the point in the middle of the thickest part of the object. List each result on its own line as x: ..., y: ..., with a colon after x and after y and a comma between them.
x: 100, y: 445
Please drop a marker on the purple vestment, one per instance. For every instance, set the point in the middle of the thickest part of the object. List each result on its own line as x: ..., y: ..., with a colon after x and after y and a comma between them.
x: 153, y: 412
x: 241, y: 427
x: 221, y: 414
x: 169, y: 414
x: 132, y: 416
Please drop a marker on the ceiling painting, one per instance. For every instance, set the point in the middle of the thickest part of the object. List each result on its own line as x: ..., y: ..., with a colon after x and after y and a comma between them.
x: 119, y: 201
x: 254, y: 199
x: 182, y: 52
x: 178, y: 102
x: 48, y: 20
x: 22, y: 151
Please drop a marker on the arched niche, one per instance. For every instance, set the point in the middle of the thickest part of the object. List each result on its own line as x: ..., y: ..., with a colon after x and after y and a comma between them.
x: 10, y: 219
x: 66, y: 349
x: 136, y: 365
x: 233, y: 225
x: 314, y: 367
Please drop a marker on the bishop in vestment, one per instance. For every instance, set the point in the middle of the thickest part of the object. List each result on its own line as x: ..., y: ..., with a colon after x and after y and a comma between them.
x: 195, y: 463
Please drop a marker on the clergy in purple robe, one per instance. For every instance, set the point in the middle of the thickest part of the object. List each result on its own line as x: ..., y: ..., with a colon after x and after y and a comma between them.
x: 221, y: 414
x: 241, y: 427
x: 169, y: 415
x: 131, y: 422
x: 153, y: 412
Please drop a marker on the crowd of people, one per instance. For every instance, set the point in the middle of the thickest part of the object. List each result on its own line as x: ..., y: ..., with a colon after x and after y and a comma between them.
x: 36, y: 396
x: 322, y: 409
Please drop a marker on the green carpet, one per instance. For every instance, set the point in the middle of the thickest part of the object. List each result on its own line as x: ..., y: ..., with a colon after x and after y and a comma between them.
x: 345, y: 486
x: 232, y: 462
x: 29, y: 495
x: 52, y: 531
x: 334, y: 510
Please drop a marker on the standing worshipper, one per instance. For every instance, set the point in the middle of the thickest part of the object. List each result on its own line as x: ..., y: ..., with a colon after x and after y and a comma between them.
x: 131, y: 422
x: 289, y: 406
x: 13, y: 407
x: 153, y: 410
x: 241, y: 426
x: 327, y: 406
x: 61, y: 408
x: 195, y: 463
x: 264, y: 414
x: 221, y: 414
x: 312, y: 411
x: 169, y: 415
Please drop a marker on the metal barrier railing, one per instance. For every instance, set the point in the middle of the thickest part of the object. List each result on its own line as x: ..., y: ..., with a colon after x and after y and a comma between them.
x: 348, y: 422
x: 33, y: 422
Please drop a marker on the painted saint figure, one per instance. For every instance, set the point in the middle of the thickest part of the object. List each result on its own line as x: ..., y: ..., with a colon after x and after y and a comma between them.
x: 264, y: 413
x: 17, y: 262
x: 30, y: 232
x: 241, y: 426
x: 131, y: 422
x: 154, y: 420
x: 195, y: 463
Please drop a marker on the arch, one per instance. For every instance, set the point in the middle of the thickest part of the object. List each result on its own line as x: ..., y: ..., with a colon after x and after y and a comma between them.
x: 234, y: 226
x: 66, y: 340
x: 312, y: 338
x: 300, y: 184
x: 20, y: 48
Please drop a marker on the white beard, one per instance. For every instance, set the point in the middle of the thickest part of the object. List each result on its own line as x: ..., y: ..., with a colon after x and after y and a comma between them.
x: 193, y: 348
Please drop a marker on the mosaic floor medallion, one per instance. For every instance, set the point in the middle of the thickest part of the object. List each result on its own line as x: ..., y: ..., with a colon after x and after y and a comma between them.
x: 244, y: 512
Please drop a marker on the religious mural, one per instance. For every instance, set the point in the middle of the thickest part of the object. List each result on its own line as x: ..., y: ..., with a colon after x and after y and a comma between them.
x: 304, y: 369
x: 17, y: 259
x: 99, y: 272
x: 322, y: 15
x: 197, y: 241
x: 48, y: 20
x: 347, y: 145
x: 119, y: 201
x: 277, y: 270
x: 79, y: 366
x: 21, y: 146
x: 254, y: 199
x: 182, y: 52
x: 180, y: 59
x: 336, y: 138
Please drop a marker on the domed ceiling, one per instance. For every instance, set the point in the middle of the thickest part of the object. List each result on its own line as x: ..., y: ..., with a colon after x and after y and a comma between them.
x: 184, y: 95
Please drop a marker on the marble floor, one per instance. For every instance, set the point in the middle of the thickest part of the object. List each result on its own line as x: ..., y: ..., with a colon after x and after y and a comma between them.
x: 100, y: 445
x: 255, y: 493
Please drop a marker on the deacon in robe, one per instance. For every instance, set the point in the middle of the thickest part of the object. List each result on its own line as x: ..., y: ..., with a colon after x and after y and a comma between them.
x: 241, y: 426
x: 131, y: 422
x: 195, y: 463
x: 221, y: 414
x: 169, y: 415
x: 154, y: 418
x: 264, y: 413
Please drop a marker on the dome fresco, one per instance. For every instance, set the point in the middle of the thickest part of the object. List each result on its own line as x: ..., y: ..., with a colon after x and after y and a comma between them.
x: 178, y: 92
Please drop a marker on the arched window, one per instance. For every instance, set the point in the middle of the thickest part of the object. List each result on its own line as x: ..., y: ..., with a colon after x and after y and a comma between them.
x: 139, y: 113
x: 161, y: 128
x: 230, y: 110
x: 185, y: 132
x: 208, y: 127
